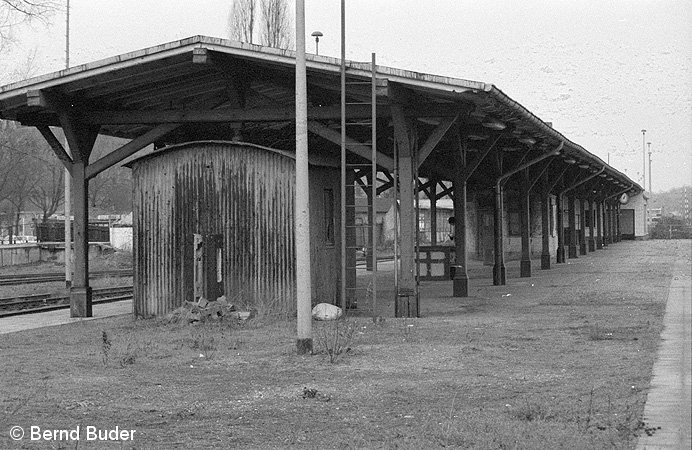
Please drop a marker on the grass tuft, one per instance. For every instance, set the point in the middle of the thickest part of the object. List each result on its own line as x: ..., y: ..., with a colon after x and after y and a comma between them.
x: 334, y: 337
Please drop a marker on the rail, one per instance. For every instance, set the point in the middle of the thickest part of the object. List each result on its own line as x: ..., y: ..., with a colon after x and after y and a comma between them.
x: 10, y: 280
x: 29, y: 304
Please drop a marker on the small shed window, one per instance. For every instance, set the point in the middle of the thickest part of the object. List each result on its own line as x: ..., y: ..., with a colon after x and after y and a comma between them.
x: 329, y: 216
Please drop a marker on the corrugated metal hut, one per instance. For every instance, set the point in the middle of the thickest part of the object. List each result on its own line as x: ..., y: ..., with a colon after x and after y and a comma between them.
x: 231, y: 204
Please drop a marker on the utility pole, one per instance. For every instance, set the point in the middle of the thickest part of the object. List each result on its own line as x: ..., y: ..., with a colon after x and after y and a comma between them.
x: 649, y: 143
x: 644, y: 158
x: 68, y: 177
x: 302, y: 199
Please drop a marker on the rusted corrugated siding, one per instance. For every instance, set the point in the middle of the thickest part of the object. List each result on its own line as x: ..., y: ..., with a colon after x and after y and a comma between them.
x: 241, y: 192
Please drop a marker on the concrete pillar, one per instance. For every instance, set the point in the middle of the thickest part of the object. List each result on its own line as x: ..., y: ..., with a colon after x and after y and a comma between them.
x: 582, y: 227
x: 560, y: 229
x: 545, y: 230
x: 525, y: 264
x: 572, y: 248
x: 302, y: 198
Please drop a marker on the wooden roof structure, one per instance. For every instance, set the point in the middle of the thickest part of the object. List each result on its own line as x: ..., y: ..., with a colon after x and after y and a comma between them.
x: 209, y: 88
x: 435, y: 129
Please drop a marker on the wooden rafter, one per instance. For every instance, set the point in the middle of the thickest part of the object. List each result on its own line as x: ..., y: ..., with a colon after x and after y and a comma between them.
x: 129, y: 149
x: 57, y: 147
x: 435, y: 138
x: 351, y: 145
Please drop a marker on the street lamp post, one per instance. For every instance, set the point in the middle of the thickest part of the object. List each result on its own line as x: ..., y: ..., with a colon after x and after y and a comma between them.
x: 644, y: 158
x: 317, y: 35
x: 649, y: 144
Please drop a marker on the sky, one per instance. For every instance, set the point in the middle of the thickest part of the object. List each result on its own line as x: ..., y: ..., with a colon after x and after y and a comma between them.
x: 599, y: 70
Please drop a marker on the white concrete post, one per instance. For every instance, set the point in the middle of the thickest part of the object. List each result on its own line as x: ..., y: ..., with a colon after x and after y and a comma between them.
x: 302, y: 207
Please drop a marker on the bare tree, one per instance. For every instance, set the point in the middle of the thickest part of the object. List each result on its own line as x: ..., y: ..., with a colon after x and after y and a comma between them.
x: 241, y: 20
x: 48, y: 190
x: 111, y: 189
x: 276, y: 25
x: 16, y: 12
x: 29, y: 173
x: 268, y: 20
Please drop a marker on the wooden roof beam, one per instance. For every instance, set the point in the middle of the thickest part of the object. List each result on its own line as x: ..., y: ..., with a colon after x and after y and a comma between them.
x: 435, y: 138
x: 57, y: 147
x: 129, y: 149
x: 351, y: 145
x: 265, y: 114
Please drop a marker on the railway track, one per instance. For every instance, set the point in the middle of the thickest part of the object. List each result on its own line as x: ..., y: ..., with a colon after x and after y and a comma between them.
x: 33, y: 303
x: 9, y: 280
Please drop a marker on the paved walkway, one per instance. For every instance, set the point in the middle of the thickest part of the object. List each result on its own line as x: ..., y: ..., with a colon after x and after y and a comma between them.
x: 61, y: 317
x: 668, y: 404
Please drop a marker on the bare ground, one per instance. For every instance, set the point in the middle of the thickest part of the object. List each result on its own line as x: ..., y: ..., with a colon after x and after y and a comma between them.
x: 563, y: 361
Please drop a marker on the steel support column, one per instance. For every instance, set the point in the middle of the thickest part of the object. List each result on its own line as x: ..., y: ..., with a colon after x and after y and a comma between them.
x: 613, y: 224
x: 592, y: 216
x: 545, y: 218
x: 460, y: 283
x: 462, y: 172
x: 618, y: 231
x: 372, y: 214
x: 582, y: 227
x: 525, y: 264
x: 560, y: 229
x: 606, y: 224
x: 599, y: 225
x: 350, y: 300
x: 571, y: 220
x: 433, y: 214
x: 499, y: 270
x: 545, y: 230
x: 609, y: 222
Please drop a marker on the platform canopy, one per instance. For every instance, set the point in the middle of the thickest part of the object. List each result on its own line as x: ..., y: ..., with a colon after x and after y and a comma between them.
x: 209, y: 88
x: 439, y: 132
